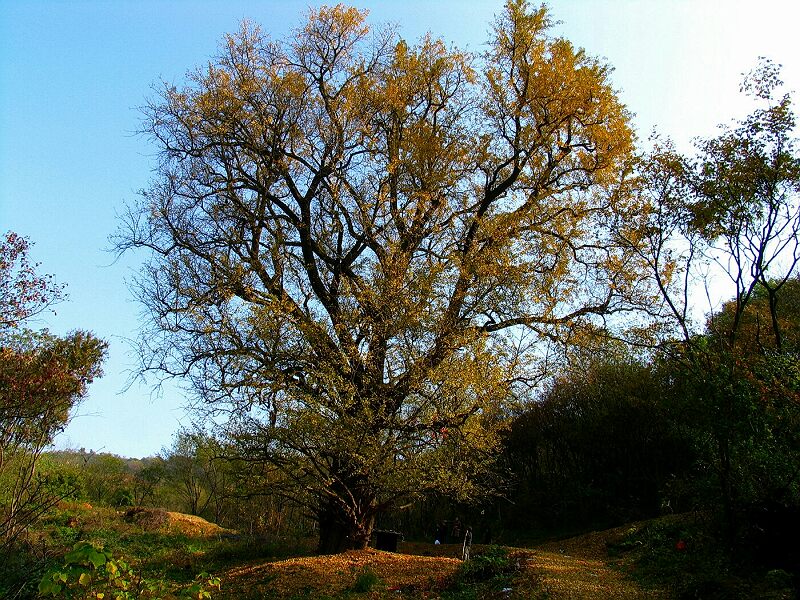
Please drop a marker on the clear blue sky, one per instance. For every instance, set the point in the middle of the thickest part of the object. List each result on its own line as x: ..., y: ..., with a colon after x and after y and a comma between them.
x: 72, y: 74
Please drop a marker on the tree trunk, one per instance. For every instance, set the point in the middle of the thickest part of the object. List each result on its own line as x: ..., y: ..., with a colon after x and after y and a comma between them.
x: 773, y: 313
x: 339, y: 531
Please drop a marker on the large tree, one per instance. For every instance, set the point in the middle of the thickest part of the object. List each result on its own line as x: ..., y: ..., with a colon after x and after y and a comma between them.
x: 358, y: 245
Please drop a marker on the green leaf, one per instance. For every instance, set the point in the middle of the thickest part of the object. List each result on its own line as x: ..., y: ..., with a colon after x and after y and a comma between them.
x: 85, y: 579
x: 48, y: 586
x: 98, y: 559
x: 79, y: 554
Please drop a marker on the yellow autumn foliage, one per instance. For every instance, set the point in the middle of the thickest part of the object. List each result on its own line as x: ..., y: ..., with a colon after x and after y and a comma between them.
x: 362, y: 246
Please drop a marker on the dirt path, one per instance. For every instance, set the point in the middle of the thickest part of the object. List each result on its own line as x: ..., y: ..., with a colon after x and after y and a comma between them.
x: 581, y: 568
x: 568, y: 576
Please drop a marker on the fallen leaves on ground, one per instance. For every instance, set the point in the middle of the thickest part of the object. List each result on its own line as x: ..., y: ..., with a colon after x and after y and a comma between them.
x: 193, y: 526
x: 574, y: 569
x: 157, y: 519
x: 568, y: 576
x: 336, y: 573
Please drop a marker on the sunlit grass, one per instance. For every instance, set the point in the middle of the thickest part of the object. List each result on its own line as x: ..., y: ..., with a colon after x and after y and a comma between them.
x: 278, y: 568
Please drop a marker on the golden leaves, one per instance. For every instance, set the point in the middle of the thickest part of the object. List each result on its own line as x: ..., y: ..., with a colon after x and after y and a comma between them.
x: 385, y: 223
x: 336, y: 573
x: 336, y: 26
x: 553, y: 102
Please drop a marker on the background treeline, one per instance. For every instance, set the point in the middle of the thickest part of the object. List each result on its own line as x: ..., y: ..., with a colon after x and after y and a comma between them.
x: 197, y: 476
x: 699, y: 427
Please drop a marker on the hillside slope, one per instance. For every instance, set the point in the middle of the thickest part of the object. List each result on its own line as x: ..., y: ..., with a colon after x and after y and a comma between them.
x: 575, y: 569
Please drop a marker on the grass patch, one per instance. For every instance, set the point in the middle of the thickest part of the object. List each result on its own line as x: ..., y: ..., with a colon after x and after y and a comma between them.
x: 366, y: 581
x: 156, y: 552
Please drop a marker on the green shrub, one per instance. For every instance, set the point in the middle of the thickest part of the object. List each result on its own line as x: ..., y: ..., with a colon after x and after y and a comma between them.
x: 493, y: 564
x: 21, y: 567
x: 366, y: 580
x: 686, y: 556
x: 484, y: 573
x: 89, y: 571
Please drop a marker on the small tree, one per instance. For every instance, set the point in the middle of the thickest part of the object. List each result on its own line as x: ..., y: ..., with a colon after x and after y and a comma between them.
x: 147, y: 480
x: 734, y: 205
x: 359, y: 247
x: 107, y: 478
x: 23, y: 293
x: 196, y: 464
x: 41, y: 378
x: 746, y: 205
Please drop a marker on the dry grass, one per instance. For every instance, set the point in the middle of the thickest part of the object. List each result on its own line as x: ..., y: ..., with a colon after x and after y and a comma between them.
x: 580, y: 567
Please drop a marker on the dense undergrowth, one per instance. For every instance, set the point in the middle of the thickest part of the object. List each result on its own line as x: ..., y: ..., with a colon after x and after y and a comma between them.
x: 488, y: 574
x: 687, y: 557
x: 162, y: 561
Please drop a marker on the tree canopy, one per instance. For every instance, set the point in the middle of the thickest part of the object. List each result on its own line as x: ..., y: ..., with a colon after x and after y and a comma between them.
x: 359, y: 246
x: 733, y: 205
x: 23, y: 292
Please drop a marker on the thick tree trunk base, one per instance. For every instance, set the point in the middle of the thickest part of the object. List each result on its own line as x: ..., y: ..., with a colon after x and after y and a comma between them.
x: 336, y: 537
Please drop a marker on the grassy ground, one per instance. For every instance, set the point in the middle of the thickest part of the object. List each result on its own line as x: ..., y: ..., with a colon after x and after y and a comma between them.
x: 531, y: 573
x: 161, y: 547
x: 172, y: 549
x: 660, y: 559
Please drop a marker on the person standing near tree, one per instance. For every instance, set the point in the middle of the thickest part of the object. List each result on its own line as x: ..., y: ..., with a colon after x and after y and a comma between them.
x: 441, y: 533
x: 467, y: 544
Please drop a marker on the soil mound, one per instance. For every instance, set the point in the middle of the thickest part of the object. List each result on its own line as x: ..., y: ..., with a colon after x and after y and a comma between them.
x: 156, y: 519
x: 336, y: 573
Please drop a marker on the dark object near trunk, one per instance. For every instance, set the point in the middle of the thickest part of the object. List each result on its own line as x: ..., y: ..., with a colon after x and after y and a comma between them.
x: 387, y: 540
